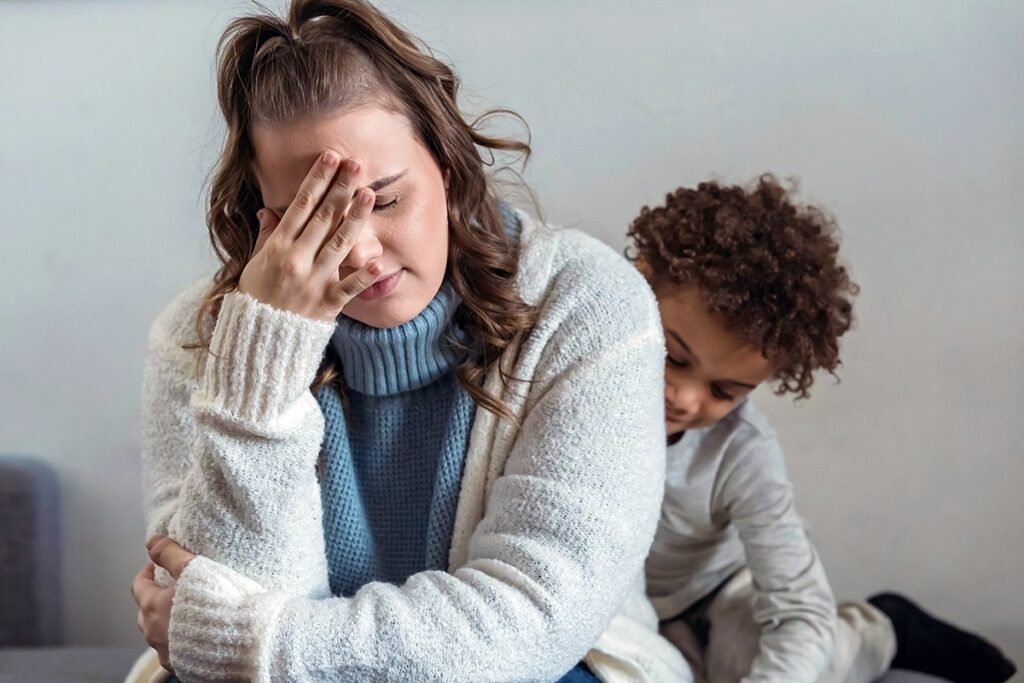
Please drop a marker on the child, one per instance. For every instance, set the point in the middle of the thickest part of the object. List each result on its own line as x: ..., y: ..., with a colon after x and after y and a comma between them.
x: 750, y: 291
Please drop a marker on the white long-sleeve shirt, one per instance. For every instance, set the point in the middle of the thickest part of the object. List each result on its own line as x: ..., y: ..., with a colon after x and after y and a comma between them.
x: 729, y: 504
x: 554, y: 516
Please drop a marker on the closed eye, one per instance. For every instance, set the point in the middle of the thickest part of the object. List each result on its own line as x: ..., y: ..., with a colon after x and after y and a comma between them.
x: 677, y: 363
x: 718, y: 393
x: 386, y: 205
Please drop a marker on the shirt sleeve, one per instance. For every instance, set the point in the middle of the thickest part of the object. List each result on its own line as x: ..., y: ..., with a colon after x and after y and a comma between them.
x: 793, y: 603
x: 229, y: 452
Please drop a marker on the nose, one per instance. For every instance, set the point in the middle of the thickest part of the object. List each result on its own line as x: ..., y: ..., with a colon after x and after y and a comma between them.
x: 366, y: 248
x: 683, y: 397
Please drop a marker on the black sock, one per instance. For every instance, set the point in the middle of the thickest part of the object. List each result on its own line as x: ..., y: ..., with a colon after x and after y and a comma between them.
x: 927, y: 644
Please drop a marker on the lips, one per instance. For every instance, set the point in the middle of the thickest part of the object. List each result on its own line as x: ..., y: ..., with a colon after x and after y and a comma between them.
x: 381, y: 287
x: 673, y: 415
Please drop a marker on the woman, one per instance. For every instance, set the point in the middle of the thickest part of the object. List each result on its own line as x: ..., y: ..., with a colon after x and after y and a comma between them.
x: 407, y: 444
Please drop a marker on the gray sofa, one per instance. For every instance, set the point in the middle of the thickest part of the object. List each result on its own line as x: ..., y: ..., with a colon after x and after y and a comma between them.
x: 30, y: 594
x: 31, y: 647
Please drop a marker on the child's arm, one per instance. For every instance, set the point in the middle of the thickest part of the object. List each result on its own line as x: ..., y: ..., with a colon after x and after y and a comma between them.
x: 794, y: 604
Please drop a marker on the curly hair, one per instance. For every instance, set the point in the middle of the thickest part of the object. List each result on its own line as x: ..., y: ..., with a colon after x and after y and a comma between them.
x: 764, y: 264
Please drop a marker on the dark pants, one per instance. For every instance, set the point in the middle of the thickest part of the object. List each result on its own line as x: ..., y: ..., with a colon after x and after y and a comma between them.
x: 579, y: 674
x: 696, y: 615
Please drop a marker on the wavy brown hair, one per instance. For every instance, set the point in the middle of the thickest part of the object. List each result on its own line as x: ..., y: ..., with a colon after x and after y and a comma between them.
x: 329, y: 56
x: 764, y: 263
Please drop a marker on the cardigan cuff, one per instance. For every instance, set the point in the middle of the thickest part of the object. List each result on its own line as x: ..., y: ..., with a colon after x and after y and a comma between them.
x: 221, y: 623
x: 261, y: 362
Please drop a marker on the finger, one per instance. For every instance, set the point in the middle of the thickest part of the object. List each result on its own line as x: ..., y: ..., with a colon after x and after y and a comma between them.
x: 331, y: 210
x: 269, y: 221
x: 144, y: 580
x: 169, y: 555
x: 340, y: 293
x: 140, y: 622
x: 308, y: 197
x: 340, y: 243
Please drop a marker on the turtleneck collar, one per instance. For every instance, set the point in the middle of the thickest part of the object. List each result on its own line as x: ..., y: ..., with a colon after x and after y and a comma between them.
x: 384, y: 362
x: 387, y: 361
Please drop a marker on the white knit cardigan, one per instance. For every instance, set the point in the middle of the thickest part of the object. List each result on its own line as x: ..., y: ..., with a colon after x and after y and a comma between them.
x: 554, y: 516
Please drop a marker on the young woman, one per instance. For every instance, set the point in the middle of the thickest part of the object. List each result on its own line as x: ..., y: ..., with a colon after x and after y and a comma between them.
x: 418, y: 436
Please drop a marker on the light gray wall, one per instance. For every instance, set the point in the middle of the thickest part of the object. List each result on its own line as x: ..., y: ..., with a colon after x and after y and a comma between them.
x: 903, y: 118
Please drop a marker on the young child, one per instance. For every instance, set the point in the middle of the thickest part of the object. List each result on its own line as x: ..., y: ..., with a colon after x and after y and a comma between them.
x: 750, y: 291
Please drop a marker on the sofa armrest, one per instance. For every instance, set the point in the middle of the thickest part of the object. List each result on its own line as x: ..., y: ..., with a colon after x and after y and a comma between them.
x: 29, y: 553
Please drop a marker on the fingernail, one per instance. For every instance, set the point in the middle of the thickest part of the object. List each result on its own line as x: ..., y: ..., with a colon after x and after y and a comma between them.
x: 152, y: 541
x: 259, y: 215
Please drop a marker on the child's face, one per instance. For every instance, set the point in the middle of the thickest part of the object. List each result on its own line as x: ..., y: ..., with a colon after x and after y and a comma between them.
x: 708, y: 369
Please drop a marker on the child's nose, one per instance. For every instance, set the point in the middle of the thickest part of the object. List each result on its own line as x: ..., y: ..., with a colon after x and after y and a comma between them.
x: 683, y: 398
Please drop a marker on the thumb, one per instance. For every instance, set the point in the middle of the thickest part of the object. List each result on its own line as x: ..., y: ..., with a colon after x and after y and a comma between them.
x: 167, y: 554
x: 268, y: 223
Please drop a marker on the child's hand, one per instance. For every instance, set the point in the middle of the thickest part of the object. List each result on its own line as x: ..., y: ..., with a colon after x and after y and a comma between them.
x: 295, y: 266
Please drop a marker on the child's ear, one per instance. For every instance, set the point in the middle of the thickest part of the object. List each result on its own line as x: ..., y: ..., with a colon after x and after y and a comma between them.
x: 643, y: 267
x: 447, y: 178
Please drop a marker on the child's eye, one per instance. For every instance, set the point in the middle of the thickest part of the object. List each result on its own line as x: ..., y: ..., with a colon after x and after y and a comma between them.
x: 717, y: 392
x: 385, y: 206
x: 677, y: 363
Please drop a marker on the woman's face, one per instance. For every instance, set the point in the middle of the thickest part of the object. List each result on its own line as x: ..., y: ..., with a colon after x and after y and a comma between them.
x: 408, y: 231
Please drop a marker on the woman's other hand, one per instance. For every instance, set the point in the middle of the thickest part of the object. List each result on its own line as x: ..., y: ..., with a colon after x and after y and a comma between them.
x: 154, y: 600
x: 296, y: 265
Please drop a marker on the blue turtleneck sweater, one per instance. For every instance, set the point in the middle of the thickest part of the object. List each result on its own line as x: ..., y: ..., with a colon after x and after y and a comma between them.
x: 392, y: 462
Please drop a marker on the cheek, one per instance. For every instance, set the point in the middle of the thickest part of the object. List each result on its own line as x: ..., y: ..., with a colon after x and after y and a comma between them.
x: 419, y: 234
x: 415, y: 238
x: 716, y: 410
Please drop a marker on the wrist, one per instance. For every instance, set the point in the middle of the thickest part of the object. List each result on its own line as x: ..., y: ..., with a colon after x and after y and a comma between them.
x: 262, y: 361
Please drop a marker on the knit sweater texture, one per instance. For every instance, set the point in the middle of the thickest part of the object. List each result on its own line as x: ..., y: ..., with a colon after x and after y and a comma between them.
x: 555, y: 511
x: 391, y: 462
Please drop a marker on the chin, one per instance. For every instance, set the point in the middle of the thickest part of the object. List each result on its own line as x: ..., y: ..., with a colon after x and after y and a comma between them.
x: 396, y: 308
x: 389, y: 311
x: 378, y: 314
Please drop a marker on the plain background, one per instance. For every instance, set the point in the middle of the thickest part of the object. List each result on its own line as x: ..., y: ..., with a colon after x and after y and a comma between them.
x: 904, y: 119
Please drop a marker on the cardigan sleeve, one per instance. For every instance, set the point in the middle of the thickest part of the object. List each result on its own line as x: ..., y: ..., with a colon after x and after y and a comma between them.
x: 229, y: 453
x: 564, y: 535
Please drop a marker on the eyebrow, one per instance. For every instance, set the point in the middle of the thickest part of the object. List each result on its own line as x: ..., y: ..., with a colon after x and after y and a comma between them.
x: 689, y: 351
x: 376, y: 186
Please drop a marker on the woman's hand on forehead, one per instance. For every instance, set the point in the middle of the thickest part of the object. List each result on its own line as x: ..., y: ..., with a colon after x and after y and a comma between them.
x: 295, y: 265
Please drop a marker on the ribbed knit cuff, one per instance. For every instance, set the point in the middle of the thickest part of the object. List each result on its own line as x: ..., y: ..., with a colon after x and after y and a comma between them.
x: 261, y: 360
x: 221, y: 623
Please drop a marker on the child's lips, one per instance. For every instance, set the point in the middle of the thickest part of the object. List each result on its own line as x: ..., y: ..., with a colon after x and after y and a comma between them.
x: 674, y: 416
